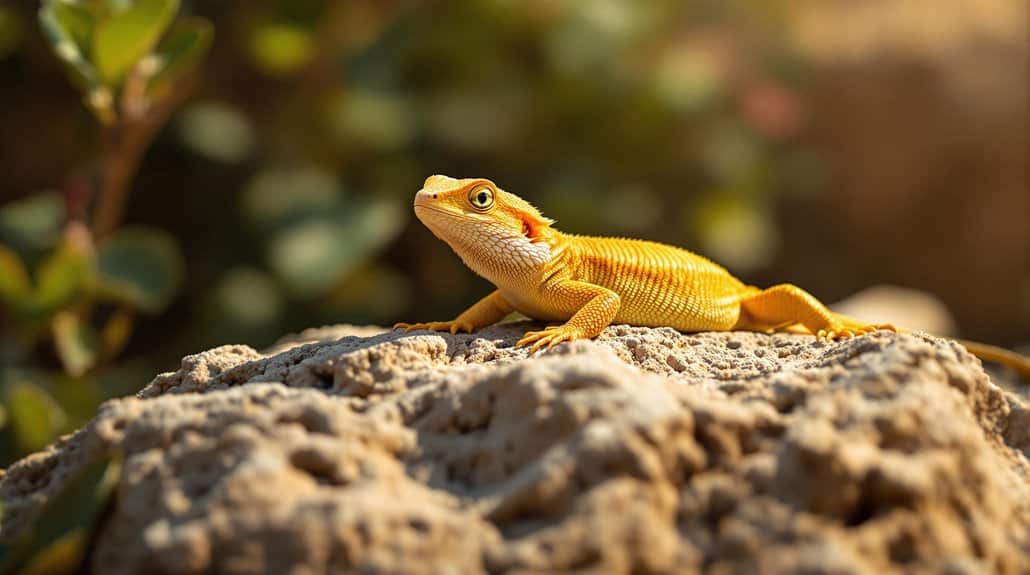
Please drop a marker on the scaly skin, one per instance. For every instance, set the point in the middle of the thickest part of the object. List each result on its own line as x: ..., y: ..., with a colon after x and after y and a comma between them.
x: 589, y: 283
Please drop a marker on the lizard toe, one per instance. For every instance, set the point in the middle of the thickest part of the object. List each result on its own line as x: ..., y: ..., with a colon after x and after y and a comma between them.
x: 461, y: 328
x: 534, y: 338
x: 540, y: 343
x: 549, y: 337
x: 431, y: 326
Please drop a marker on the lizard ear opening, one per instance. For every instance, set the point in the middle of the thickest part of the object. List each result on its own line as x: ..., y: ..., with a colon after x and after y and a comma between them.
x: 534, y: 225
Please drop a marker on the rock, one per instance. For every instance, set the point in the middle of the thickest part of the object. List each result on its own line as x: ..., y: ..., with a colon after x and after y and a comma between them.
x: 644, y: 451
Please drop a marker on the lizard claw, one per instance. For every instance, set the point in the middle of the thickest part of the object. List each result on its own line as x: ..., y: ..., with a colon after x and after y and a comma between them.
x: 451, y: 326
x: 847, y: 331
x: 550, y: 337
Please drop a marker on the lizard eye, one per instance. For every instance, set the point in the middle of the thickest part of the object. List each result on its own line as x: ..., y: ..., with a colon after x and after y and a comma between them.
x: 482, y: 198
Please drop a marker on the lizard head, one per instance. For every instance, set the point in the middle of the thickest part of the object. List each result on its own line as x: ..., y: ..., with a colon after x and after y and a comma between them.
x: 487, y: 227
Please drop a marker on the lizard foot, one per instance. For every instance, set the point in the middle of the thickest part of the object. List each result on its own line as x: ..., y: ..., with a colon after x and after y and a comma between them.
x: 850, y: 330
x: 550, y: 337
x: 451, y: 326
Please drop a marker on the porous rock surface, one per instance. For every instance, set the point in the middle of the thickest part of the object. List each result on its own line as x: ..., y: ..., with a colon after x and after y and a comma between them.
x: 644, y: 451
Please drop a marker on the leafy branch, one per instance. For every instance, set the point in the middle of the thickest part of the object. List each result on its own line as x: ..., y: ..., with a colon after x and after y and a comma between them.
x: 70, y: 274
x: 129, y: 61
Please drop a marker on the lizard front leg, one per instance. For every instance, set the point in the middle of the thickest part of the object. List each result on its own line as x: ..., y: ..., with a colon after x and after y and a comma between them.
x: 484, y: 312
x: 596, y: 308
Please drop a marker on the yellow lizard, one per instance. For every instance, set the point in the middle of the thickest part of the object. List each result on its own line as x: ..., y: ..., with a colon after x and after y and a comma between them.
x: 589, y: 282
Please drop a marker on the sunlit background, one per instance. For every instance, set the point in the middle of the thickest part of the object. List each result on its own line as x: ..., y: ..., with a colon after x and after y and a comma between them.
x: 267, y: 180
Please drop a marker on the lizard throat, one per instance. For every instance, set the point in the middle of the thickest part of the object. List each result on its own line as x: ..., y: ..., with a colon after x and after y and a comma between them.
x: 491, y: 249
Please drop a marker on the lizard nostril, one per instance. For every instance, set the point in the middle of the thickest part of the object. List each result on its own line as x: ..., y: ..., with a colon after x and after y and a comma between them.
x: 434, y: 196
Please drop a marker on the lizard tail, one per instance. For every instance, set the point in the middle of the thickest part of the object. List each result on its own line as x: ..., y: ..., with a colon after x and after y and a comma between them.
x: 1017, y: 362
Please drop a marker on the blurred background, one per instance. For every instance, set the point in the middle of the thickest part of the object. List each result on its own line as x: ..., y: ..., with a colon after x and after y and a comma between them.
x: 179, y: 175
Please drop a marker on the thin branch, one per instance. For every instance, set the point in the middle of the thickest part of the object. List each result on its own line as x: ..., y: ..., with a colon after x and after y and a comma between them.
x: 123, y: 145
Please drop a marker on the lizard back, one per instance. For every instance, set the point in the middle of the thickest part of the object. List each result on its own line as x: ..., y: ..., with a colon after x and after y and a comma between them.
x: 660, y: 285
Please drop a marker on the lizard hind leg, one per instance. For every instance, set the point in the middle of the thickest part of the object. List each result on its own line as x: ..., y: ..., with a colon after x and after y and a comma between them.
x: 786, y: 307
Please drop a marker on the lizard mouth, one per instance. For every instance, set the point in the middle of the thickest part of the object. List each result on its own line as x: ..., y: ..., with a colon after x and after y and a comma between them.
x: 445, y: 222
x: 439, y: 221
x: 447, y: 213
x: 432, y: 209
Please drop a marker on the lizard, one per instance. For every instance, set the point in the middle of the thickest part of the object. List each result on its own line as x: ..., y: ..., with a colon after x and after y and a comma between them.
x: 589, y: 282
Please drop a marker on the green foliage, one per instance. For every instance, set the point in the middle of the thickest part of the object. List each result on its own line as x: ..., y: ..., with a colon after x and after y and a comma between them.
x: 106, y: 44
x: 32, y: 223
x: 184, y: 46
x: 733, y: 228
x: 32, y: 414
x: 136, y: 268
x: 64, y: 291
x: 69, y: 28
x: 139, y: 267
x: 76, y: 343
x: 279, y: 48
x: 378, y: 119
x: 60, y: 280
x: 249, y: 298
x: 216, y: 131
x: 317, y: 232
x: 127, y: 34
x: 14, y: 280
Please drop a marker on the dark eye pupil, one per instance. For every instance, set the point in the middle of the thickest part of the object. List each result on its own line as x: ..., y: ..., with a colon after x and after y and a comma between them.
x: 482, y: 197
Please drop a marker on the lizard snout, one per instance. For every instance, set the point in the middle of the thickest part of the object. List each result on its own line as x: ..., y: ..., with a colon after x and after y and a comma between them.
x: 425, y: 197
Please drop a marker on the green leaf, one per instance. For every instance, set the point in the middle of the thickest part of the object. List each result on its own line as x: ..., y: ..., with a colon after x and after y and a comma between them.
x: 77, y: 396
x: 126, y: 36
x: 734, y: 229
x: 280, y: 49
x: 186, y: 43
x: 60, y: 279
x: 217, y: 131
x: 244, y: 305
x: 248, y: 297
x: 380, y: 119
x: 56, y: 542
x: 69, y: 29
x: 115, y: 333
x: 33, y: 222
x: 73, y: 20
x: 14, y: 280
x: 76, y: 343
x: 314, y: 255
x: 278, y: 197
x: 140, y: 266
x: 35, y: 417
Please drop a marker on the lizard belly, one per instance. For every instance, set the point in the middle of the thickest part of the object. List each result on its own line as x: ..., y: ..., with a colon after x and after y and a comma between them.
x: 535, y: 306
x: 683, y: 301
